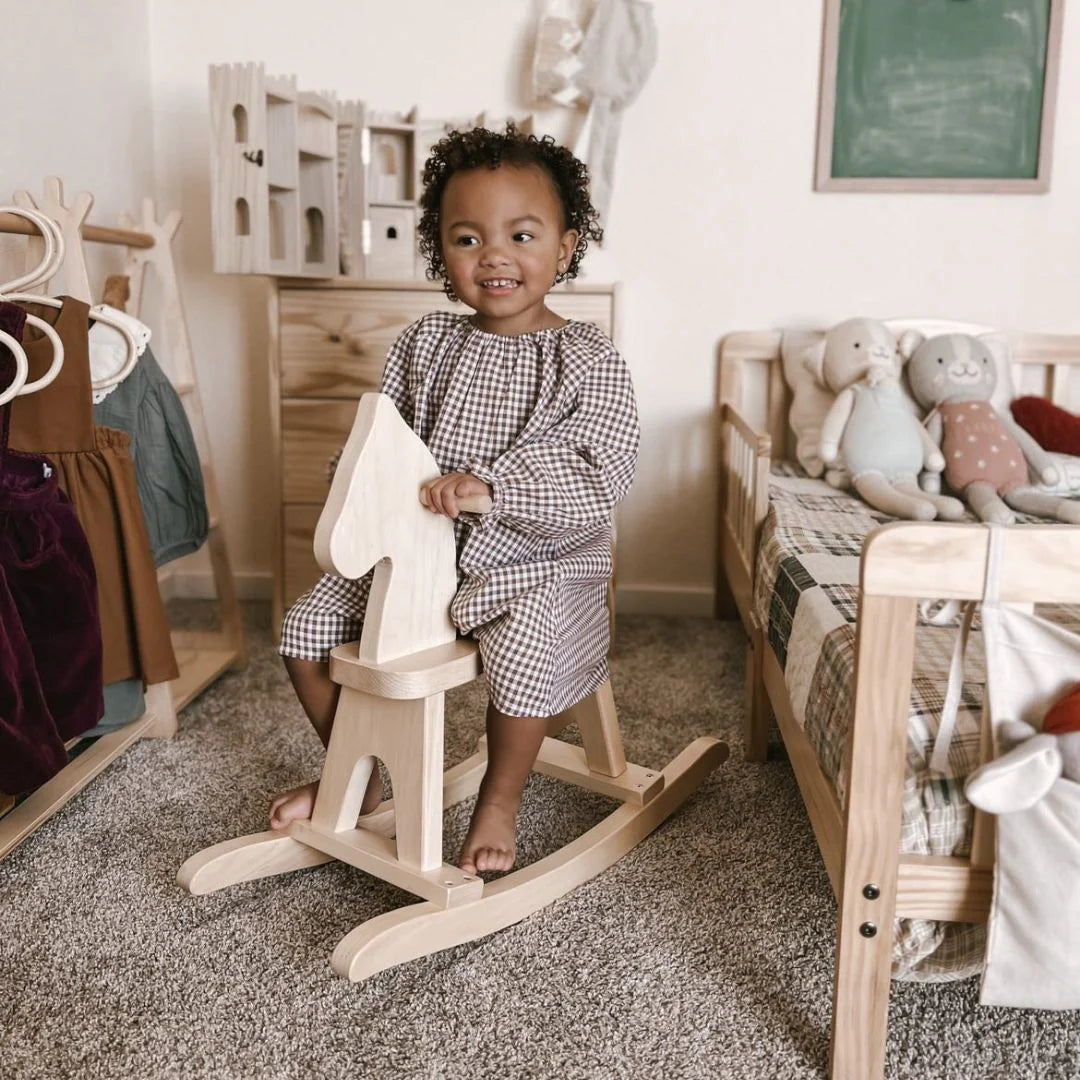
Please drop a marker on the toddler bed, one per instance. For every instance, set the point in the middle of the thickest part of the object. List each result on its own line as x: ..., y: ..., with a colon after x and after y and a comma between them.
x: 828, y: 590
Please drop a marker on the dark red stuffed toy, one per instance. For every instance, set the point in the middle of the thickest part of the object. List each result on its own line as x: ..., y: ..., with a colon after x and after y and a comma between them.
x: 1064, y: 715
x: 1053, y: 428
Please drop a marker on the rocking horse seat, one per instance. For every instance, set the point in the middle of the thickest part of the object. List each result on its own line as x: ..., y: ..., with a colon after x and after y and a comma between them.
x: 415, y: 675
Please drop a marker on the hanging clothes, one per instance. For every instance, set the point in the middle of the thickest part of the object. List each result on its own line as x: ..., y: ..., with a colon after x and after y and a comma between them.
x: 50, y: 634
x: 95, y: 471
x: 167, y: 467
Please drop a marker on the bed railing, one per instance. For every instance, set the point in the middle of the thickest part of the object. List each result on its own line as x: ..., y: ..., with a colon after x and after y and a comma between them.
x: 744, y: 501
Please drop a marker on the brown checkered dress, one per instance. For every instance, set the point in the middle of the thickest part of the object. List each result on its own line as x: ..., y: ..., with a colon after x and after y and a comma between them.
x: 548, y: 419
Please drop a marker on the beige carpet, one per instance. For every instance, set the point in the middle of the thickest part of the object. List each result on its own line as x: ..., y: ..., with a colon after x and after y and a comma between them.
x: 706, y: 952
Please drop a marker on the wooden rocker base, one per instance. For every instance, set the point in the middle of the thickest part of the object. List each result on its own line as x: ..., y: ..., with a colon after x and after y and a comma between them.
x: 456, y: 908
x: 422, y: 929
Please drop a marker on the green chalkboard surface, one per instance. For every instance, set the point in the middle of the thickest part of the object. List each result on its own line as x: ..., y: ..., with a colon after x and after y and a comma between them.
x: 937, y: 90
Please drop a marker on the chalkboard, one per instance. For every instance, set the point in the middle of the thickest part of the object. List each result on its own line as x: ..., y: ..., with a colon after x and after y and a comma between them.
x: 943, y: 95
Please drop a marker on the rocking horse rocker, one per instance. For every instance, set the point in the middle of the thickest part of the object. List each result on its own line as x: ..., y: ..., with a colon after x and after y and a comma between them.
x: 391, y: 707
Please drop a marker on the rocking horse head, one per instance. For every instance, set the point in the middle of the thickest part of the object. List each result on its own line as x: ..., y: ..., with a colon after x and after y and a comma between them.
x: 373, y: 518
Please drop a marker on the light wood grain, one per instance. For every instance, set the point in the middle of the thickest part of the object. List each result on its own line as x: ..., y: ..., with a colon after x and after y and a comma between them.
x: 311, y: 431
x: 373, y: 518
x: 1039, y: 563
x: 943, y: 887
x: 246, y: 858
x: 599, y: 727
x: 818, y: 794
x: 407, y: 736
x: 422, y: 929
x: 318, y: 216
x: 416, y: 675
x: 562, y: 761
x: 445, y: 886
x: 299, y: 569
x: 101, y: 234
x: 234, y: 177
x: 316, y: 124
x: 884, y: 647
x: 393, y: 242
x: 758, y: 712
x: 200, y: 662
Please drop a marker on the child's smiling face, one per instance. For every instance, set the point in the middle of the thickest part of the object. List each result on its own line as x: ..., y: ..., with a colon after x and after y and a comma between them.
x: 503, y: 241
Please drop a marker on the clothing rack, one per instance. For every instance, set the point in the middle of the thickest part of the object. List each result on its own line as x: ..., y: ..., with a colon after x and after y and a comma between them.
x: 202, y: 656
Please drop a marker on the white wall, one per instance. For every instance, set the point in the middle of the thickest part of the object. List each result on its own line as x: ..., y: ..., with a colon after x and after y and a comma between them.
x: 76, y: 104
x: 714, y: 224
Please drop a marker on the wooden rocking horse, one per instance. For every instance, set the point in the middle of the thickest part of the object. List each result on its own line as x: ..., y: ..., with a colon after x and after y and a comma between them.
x: 391, y: 707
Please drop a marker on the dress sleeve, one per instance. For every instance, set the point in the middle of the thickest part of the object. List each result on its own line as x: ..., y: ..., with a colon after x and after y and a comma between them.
x: 573, y: 473
x: 395, y: 384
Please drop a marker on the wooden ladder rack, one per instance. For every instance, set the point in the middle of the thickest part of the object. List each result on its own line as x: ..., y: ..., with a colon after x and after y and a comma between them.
x: 201, y: 656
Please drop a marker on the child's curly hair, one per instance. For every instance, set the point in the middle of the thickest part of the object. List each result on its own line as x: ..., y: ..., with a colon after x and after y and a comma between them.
x: 479, y: 148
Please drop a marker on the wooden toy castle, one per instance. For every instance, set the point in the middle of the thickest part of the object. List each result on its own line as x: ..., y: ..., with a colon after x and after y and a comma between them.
x: 303, y: 185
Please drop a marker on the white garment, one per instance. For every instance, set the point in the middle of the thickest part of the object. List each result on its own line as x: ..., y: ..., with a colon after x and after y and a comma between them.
x: 606, y: 64
x: 109, y: 347
x: 1033, y: 938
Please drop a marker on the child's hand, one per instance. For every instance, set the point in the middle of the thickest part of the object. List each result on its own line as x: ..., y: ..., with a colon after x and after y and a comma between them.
x: 445, y: 495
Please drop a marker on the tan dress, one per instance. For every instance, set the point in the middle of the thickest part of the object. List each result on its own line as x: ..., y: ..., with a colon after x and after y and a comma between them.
x: 97, y: 474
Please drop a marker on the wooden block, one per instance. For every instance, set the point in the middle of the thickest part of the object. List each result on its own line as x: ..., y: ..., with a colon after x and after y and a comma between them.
x: 393, y: 242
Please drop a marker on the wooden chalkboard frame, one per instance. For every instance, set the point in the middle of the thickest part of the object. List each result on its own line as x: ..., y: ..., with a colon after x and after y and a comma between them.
x: 825, y: 181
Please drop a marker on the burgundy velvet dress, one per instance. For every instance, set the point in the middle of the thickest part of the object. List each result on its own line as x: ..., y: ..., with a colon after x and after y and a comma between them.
x: 50, y: 635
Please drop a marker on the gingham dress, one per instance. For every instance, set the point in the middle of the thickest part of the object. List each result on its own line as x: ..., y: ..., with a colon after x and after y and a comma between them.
x: 548, y: 419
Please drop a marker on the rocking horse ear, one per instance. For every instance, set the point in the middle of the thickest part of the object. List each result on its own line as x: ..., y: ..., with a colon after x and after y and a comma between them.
x: 1016, y: 780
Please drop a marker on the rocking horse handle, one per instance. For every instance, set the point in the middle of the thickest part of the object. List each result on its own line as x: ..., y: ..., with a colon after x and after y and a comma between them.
x: 471, y: 504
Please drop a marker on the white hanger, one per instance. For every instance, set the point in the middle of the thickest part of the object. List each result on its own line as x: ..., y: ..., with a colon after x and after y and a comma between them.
x: 54, y: 246
x: 54, y: 255
x: 21, y: 367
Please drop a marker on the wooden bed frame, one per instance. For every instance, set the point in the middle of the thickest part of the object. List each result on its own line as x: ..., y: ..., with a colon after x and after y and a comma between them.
x: 900, y: 564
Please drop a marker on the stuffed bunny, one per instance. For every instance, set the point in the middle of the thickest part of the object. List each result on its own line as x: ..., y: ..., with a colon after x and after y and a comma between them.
x: 1025, y: 772
x: 987, y: 455
x: 871, y: 423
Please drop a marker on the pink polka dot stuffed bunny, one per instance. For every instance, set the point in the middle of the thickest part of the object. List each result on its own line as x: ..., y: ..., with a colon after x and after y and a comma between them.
x: 988, y: 457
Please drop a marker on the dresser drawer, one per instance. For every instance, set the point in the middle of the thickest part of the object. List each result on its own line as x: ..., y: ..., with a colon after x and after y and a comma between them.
x: 300, y: 571
x: 334, y: 341
x: 311, y: 431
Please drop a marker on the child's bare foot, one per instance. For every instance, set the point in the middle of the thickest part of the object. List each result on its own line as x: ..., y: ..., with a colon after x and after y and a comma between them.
x: 298, y: 803
x: 295, y: 804
x: 491, y: 842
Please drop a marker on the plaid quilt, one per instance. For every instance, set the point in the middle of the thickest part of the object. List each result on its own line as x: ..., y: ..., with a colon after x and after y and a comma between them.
x: 805, y: 601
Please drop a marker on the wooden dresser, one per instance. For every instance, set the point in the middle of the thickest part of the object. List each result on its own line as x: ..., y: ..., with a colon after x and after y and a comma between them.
x: 329, y: 340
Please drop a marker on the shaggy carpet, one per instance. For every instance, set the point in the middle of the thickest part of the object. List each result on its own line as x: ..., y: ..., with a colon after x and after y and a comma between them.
x: 706, y: 952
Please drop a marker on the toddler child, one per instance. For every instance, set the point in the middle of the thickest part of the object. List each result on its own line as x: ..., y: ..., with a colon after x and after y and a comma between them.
x: 521, y: 405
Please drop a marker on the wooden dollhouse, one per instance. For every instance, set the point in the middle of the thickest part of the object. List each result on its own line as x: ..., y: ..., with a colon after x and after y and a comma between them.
x: 306, y: 186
